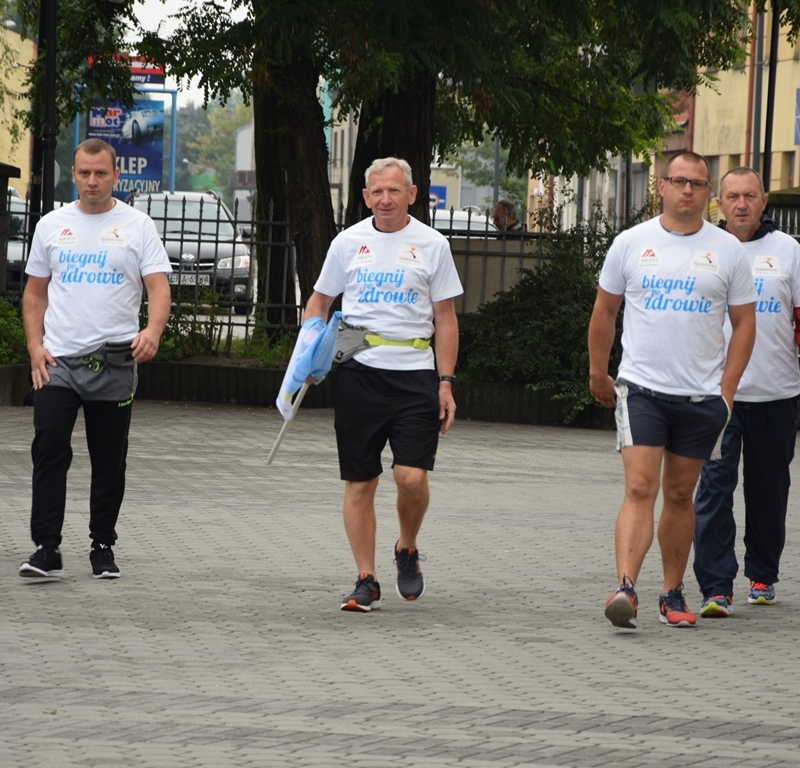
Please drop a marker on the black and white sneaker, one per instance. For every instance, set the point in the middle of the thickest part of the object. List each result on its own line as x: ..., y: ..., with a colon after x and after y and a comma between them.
x: 103, y: 565
x: 43, y: 563
x: 410, y: 584
x: 365, y: 597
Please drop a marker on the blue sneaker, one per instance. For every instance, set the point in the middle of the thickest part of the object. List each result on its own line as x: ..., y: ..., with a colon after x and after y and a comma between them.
x: 717, y: 607
x: 761, y: 594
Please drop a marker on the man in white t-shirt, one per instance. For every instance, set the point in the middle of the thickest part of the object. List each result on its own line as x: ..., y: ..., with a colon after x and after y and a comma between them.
x: 675, y: 384
x: 87, y: 265
x: 763, y: 426
x: 398, y: 280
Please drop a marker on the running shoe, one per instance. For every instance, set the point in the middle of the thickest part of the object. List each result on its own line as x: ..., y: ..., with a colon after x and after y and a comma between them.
x: 102, y: 559
x: 410, y: 584
x: 622, y: 606
x: 43, y: 563
x: 761, y: 594
x: 672, y: 609
x: 365, y: 597
x: 717, y: 607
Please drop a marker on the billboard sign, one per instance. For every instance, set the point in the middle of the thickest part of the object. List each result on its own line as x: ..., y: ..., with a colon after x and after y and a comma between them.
x: 137, y: 136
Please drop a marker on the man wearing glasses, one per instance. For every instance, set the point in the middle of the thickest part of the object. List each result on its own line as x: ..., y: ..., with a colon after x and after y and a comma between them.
x: 675, y: 385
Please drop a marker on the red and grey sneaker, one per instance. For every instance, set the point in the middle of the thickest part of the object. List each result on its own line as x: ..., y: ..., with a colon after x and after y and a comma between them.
x: 672, y: 609
x: 623, y: 605
x: 410, y: 584
x: 365, y: 597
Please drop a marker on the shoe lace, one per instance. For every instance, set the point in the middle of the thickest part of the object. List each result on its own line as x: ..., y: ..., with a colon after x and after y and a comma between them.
x: 627, y: 586
x: 408, y: 561
x: 760, y: 586
x: 104, y: 553
x: 675, y: 600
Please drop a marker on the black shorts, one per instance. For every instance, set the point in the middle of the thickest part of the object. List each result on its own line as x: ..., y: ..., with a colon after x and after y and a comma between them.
x: 685, y: 428
x: 374, y: 405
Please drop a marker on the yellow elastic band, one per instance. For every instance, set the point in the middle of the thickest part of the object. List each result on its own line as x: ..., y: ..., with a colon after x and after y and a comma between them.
x: 378, y: 341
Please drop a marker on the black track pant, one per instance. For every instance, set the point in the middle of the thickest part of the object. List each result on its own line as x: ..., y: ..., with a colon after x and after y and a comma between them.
x: 107, y: 424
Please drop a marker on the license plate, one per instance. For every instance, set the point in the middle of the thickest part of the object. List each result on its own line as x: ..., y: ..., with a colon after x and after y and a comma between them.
x: 188, y: 278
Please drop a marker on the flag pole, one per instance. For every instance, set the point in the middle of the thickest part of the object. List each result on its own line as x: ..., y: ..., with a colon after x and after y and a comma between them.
x: 295, y: 406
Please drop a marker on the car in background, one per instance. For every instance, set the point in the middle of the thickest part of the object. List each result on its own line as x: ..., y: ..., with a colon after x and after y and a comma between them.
x: 17, y: 243
x: 141, y: 124
x: 206, y: 247
x: 462, y: 223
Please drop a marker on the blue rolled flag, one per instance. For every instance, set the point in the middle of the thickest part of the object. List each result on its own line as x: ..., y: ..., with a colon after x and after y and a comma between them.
x: 312, y: 356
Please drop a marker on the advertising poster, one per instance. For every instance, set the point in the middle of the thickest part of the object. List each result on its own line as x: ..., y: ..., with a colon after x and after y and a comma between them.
x: 137, y: 136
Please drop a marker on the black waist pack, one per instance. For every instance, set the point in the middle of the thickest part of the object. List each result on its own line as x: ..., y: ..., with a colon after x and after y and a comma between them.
x: 117, y: 354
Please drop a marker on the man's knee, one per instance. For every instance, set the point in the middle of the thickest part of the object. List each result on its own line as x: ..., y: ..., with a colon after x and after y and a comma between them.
x: 410, y: 480
x: 641, y: 487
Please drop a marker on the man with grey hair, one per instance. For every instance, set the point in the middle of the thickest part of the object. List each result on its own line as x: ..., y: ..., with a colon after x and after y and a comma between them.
x: 398, y: 281
x: 763, y: 426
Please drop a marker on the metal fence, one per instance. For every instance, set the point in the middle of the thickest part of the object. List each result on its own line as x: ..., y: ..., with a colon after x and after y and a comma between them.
x: 215, y: 255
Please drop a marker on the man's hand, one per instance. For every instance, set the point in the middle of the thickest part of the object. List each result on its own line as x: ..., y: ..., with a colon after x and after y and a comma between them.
x: 40, y: 359
x: 447, y: 406
x: 602, y: 389
x: 145, y: 345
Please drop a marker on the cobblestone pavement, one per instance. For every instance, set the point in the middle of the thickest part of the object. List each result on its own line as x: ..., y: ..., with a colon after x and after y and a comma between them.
x: 223, y: 645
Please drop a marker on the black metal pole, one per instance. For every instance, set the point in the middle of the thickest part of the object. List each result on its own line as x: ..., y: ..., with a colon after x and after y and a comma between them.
x: 37, y: 108
x: 759, y: 87
x: 773, y: 69
x: 49, y: 133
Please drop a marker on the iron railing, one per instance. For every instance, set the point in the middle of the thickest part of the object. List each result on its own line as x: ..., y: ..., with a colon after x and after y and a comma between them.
x: 200, y: 233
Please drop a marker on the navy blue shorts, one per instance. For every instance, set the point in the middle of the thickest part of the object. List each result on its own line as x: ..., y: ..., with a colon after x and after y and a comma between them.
x: 373, y: 406
x: 685, y: 428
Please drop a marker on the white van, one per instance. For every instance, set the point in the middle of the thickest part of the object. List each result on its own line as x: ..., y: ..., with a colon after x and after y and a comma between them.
x: 460, y: 222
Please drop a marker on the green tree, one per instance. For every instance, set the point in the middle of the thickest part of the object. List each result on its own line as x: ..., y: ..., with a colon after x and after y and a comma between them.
x: 216, y: 147
x: 192, y: 122
x: 87, y: 64
x: 562, y: 84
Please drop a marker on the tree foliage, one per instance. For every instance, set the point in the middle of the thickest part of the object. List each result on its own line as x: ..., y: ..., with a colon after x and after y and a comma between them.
x: 215, y: 148
x: 87, y: 65
x: 565, y: 84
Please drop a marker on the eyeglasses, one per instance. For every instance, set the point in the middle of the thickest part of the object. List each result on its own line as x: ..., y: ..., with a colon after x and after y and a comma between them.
x: 682, y: 181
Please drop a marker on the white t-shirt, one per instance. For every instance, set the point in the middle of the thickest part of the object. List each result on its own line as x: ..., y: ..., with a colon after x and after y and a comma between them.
x: 95, y: 263
x: 389, y: 281
x: 676, y: 289
x: 772, y: 373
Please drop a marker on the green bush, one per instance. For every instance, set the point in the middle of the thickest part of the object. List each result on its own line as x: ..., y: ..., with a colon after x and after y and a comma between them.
x: 13, y: 348
x: 535, y: 334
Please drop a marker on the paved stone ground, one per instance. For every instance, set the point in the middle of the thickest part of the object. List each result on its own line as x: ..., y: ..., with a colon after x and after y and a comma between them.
x: 223, y: 644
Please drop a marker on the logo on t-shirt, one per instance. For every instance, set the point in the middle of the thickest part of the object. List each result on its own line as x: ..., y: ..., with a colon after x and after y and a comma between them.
x: 66, y: 237
x: 113, y: 236
x: 364, y: 255
x: 410, y: 255
x: 705, y: 261
x: 649, y: 258
x: 767, y: 265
